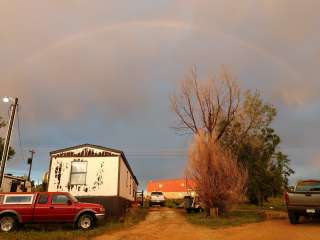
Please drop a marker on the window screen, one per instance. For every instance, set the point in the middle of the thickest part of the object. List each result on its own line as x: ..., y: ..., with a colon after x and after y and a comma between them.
x: 78, y: 173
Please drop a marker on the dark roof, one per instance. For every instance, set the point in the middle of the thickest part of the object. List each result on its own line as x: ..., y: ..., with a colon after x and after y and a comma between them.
x: 101, y: 148
x: 14, y: 177
x: 85, y: 145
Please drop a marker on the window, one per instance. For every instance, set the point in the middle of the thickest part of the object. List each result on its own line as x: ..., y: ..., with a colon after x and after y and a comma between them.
x: 43, y: 199
x: 156, y: 194
x: 134, y: 190
x: 72, y: 198
x: 78, y: 173
x: 305, y: 186
x: 127, y: 179
x: 60, y: 199
x: 18, y: 199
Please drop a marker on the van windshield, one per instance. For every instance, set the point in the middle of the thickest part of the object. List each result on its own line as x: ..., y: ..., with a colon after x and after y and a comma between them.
x: 306, y: 186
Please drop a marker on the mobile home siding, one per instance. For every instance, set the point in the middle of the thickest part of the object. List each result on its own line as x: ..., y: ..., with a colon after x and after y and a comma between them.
x: 101, y: 176
x: 94, y: 174
x: 127, y: 184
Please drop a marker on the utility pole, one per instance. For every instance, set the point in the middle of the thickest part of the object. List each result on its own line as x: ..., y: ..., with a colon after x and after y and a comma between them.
x: 6, y: 146
x: 30, y: 163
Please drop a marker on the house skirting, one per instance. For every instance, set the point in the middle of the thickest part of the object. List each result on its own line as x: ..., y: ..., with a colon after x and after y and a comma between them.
x: 115, y: 206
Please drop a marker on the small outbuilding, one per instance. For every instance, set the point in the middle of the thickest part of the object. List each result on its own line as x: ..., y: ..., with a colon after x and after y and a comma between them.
x: 12, y: 183
x: 94, y: 173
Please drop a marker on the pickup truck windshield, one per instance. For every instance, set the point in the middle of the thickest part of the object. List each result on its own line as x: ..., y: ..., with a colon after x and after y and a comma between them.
x: 73, y: 199
x: 306, y: 186
x: 156, y: 193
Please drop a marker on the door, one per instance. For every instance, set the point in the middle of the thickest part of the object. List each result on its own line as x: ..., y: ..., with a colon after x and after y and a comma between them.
x: 62, y: 208
x: 42, y: 208
x: 14, y: 186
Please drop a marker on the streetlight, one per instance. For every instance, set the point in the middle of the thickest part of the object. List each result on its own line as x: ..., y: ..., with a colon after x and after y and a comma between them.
x: 5, y: 99
x: 5, y: 152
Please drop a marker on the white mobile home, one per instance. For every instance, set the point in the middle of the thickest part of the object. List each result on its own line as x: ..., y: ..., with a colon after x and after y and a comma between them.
x: 94, y: 174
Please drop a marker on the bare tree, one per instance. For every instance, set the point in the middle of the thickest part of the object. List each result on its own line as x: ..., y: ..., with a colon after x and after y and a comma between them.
x: 220, y: 181
x: 206, y: 105
x: 2, y: 122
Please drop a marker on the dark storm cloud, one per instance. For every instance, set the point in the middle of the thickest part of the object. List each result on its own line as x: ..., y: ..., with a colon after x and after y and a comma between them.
x: 101, y: 71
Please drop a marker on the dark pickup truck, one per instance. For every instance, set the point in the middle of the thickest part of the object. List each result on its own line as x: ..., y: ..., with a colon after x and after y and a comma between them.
x: 43, y: 207
x: 303, y: 200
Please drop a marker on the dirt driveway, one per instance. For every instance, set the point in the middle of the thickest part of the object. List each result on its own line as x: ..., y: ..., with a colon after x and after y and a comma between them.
x: 166, y: 224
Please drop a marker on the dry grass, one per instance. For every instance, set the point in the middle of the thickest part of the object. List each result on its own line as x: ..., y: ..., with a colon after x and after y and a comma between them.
x: 66, y: 232
x: 220, y: 180
x: 230, y: 219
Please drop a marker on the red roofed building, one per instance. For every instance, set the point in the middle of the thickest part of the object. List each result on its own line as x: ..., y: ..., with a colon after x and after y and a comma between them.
x: 172, y: 188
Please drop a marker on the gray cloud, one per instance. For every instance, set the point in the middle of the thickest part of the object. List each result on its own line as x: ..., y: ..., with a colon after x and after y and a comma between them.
x: 102, y: 71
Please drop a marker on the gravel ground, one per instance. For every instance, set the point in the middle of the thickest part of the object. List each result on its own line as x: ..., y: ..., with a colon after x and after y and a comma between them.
x: 167, y: 224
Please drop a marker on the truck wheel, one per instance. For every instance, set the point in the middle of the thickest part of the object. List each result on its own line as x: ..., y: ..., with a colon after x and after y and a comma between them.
x: 8, y: 223
x: 293, y: 217
x: 85, y: 221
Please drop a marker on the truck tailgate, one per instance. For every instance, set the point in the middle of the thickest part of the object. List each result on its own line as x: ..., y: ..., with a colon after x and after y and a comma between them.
x: 306, y: 199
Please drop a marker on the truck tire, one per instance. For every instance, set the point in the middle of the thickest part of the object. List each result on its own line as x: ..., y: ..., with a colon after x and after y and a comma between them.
x: 85, y: 221
x: 8, y: 223
x: 293, y: 217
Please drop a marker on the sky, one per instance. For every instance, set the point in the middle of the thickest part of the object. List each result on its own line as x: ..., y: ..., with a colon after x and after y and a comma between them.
x: 101, y: 72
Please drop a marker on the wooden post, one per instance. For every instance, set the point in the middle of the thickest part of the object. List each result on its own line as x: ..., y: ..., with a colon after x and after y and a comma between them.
x: 142, y: 197
x: 214, y: 212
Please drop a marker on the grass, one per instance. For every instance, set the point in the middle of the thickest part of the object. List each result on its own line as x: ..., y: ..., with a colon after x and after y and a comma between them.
x: 173, y: 203
x: 66, y: 232
x: 276, y: 204
x: 243, y: 214
x: 234, y: 218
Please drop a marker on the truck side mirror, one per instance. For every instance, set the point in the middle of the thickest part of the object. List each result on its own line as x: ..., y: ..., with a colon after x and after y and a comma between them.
x: 69, y: 202
x: 291, y: 189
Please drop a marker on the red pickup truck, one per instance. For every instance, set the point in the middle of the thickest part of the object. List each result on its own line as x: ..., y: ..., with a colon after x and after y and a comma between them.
x: 42, y: 207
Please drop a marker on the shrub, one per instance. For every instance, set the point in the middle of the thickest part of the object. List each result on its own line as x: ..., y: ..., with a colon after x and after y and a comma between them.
x: 220, y: 180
